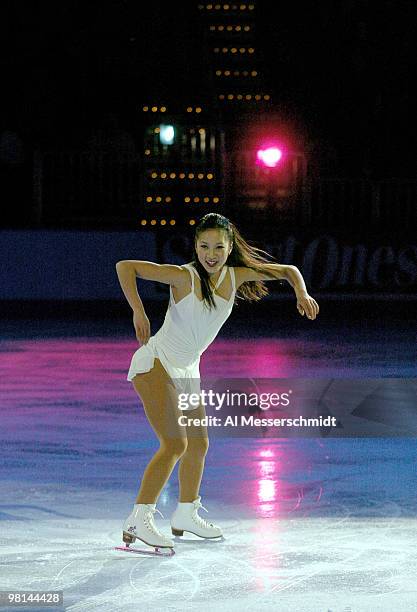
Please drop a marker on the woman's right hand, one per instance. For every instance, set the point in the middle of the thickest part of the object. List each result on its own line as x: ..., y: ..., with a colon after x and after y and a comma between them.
x: 142, y: 326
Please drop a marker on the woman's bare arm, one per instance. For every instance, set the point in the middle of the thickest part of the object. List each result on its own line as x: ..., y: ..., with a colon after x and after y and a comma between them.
x: 162, y: 273
x: 305, y: 303
x: 128, y: 270
x: 244, y: 275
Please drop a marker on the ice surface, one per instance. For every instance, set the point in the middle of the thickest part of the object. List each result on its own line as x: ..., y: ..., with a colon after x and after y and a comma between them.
x: 310, y: 525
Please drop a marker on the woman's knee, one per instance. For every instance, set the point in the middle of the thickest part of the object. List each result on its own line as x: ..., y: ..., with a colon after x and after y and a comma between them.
x: 198, y: 446
x: 176, y: 447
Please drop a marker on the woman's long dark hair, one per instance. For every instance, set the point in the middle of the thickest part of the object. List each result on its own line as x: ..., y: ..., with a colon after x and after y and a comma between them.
x: 242, y: 254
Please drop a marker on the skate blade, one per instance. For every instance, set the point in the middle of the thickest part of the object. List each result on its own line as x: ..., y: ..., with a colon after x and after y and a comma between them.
x: 158, y: 552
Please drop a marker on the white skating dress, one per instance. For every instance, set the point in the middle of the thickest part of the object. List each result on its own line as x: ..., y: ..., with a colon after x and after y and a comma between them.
x: 188, y: 329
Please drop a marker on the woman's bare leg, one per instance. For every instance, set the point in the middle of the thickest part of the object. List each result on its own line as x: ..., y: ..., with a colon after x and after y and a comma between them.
x: 157, y: 392
x: 191, y: 465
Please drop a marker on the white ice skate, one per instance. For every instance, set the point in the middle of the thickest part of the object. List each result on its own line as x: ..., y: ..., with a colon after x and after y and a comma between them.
x: 140, y: 525
x: 186, y: 518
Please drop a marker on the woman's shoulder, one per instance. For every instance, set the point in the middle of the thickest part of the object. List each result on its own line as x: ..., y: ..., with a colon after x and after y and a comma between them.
x: 189, y: 271
x: 191, y: 268
x: 240, y: 274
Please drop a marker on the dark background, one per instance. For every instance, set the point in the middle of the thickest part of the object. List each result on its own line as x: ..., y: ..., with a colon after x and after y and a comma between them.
x: 345, y: 70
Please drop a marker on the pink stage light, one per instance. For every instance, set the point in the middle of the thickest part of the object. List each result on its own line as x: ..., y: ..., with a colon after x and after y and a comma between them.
x: 269, y: 157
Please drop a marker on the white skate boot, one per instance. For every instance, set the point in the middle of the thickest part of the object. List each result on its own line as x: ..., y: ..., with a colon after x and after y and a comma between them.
x: 186, y: 518
x: 140, y: 525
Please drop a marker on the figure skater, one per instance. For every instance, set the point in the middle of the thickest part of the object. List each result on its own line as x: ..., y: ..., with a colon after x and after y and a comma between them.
x: 202, y: 295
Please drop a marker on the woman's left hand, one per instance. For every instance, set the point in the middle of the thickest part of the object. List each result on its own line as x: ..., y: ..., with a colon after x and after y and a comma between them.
x: 306, y: 305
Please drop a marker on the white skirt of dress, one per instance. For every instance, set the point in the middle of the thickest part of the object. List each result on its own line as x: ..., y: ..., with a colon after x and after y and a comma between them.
x: 186, y: 379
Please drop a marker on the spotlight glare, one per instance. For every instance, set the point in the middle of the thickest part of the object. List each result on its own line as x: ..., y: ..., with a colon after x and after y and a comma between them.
x: 269, y: 157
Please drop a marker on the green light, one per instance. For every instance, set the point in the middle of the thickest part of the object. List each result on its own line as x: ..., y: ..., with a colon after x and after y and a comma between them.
x: 167, y: 134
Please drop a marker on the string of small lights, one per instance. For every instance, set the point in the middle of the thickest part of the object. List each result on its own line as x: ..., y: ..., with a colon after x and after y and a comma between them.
x: 186, y: 199
x: 181, y: 175
x: 237, y: 73
x: 226, y: 7
x: 232, y: 50
x: 230, y: 28
x: 163, y: 222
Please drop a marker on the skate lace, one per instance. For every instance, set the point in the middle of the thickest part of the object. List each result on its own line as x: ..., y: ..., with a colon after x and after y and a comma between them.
x: 198, y: 519
x: 149, y: 521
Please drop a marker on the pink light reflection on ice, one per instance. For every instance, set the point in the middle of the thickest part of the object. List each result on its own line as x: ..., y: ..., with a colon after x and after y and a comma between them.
x: 263, y: 358
x: 266, y: 482
x: 266, y: 453
x: 266, y: 490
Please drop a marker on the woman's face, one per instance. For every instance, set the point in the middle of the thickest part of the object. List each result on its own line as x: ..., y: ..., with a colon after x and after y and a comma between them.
x: 213, y: 248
